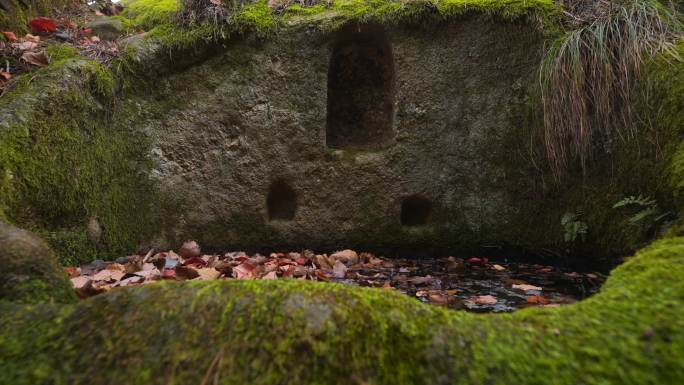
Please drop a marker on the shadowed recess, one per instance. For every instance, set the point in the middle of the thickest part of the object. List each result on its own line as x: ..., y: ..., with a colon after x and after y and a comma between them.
x: 415, y: 211
x: 360, y: 89
x: 281, y: 201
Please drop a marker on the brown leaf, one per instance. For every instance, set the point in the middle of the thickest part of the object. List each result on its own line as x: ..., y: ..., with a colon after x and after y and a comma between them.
x: 39, y: 59
x: 322, y: 262
x: 484, y: 299
x: 31, y: 38
x: 348, y: 257
x: 420, y: 280
x: 438, y: 298
x: 189, y: 249
x: 186, y: 272
x: 208, y: 273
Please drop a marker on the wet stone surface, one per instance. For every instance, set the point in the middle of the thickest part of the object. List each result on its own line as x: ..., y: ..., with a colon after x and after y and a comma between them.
x: 473, y: 284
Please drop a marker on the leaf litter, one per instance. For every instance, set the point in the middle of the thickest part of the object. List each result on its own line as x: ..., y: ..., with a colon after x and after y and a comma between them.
x: 472, y: 284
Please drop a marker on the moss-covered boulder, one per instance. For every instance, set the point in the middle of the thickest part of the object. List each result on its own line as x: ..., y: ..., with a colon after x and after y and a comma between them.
x: 293, y: 332
x: 29, y: 271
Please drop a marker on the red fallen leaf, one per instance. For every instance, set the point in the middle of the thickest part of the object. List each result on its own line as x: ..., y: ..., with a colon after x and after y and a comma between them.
x: 10, y: 36
x: 321, y: 275
x: 73, y: 272
x: 537, y: 299
x: 244, y: 270
x: 287, y: 270
x: 301, y: 261
x: 43, y: 25
x: 477, y: 261
x: 87, y: 31
x: 195, y: 261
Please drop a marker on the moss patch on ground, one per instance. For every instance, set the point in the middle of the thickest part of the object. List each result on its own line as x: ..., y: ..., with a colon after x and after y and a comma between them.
x: 288, y: 331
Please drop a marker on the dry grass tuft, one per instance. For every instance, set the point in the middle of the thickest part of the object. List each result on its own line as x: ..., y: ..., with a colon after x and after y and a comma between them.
x: 588, y: 77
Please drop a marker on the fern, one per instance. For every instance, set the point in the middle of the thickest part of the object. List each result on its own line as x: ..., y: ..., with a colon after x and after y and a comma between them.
x: 573, y: 226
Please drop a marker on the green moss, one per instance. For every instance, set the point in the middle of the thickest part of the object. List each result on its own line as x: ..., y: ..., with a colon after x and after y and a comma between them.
x: 257, y: 16
x: 30, y: 272
x: 316, y: 333
x: 59, y: 52
x: 148, y: 14
x: 63, y: 163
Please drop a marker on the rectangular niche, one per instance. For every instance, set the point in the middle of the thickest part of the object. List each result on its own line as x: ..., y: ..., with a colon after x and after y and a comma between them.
x: 360, y: 89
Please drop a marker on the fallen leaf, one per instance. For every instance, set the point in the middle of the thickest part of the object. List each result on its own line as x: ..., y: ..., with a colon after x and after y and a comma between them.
x: 95, y: 39
x: 185, y: 272
x: 10, y: 36
x: 31, y: 38
x: 150, y: 274
x: 80, y: 282
x: 42, y: 25
x: 345, y: 256
x: 208, y: 273
x: 339, y: 269
x: 244, y: 270
x: 526, y: 287
x: 498, y: 267
x: 25, y: 46
x: 189, y: 249
x: 537, y: 299
x: 195, y: 261
x: 387, y: 286
x: 270, y: 275
x: 130, y: 281
x: 322, y: 262
x: 477, y: 261
x: 71, y: 271
x: 103, y: 275
x: 116, y: 267
x: 169, y: 274
x: 484, y: 300
x: 421, y: 280
x: 39, y: 59
x: 438, y: 298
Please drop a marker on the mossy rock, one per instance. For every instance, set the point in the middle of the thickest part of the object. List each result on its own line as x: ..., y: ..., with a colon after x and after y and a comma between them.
x: 280, y: 332
x: 30, y: 272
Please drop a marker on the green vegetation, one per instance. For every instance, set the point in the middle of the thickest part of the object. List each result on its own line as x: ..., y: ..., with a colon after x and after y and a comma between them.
x: 288, y: 331
x: 63, y: 163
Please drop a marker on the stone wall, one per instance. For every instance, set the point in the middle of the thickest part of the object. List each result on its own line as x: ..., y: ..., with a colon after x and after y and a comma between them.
x: 428, y: 158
